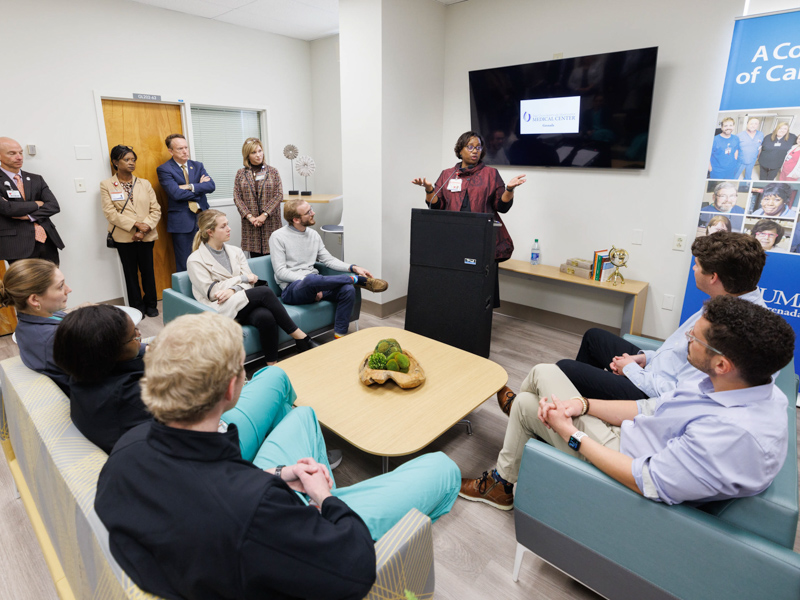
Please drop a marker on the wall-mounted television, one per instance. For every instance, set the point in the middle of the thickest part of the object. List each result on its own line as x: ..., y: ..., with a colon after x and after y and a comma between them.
x: 587, y: 112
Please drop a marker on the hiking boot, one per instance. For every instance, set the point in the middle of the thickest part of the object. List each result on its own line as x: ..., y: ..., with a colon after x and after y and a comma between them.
x: 373, y: 285
x: 486, y: 489
x: 505, y: 398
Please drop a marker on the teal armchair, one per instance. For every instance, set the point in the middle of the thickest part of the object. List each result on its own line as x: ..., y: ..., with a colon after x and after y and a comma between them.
x: 314, y: 319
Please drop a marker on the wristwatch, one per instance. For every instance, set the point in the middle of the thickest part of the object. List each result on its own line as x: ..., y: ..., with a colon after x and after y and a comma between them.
x: 575, y: 440
x: 279, y: 468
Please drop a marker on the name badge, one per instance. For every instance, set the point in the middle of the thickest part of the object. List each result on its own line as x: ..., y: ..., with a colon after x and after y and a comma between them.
x: 261, y: 177
x: 14, y: 194
x: 454, y: 185
x: 777, y: 144
x: 118, y: 196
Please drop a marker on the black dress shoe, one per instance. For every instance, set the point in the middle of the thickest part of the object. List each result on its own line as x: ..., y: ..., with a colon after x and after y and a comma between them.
x: 305, y: 344
x: 151, y: 312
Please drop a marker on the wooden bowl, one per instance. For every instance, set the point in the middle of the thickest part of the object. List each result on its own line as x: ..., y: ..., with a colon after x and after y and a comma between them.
x: 414, y: 377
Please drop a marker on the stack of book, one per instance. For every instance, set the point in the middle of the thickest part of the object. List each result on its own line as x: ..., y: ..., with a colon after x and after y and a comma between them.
x: 597, y: 269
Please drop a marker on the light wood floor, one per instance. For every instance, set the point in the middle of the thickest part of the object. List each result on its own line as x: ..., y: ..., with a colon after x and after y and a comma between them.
x: 474, y: 544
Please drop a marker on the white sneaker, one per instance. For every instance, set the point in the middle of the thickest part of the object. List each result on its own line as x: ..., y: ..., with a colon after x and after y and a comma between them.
x: 334, y: 458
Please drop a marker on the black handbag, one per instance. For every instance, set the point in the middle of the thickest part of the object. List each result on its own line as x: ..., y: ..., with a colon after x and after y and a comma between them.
x: 110, y: 243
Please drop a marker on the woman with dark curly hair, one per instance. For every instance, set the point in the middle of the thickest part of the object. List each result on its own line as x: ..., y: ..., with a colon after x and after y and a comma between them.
x: 769, y: 234
x: 472, y: 186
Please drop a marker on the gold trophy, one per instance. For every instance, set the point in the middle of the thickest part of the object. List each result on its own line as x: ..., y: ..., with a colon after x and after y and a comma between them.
x: 618, y: 258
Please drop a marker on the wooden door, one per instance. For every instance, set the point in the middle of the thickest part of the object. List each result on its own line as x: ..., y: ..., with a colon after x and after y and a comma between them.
x: 144, y: 126
x: 8, y: 316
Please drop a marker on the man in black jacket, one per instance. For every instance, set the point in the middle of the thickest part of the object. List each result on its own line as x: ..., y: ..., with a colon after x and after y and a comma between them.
x: 189, y: 518
x: 26, y: 205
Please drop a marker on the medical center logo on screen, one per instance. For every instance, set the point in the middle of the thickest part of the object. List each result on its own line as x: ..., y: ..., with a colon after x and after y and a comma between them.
x: 550, y: 115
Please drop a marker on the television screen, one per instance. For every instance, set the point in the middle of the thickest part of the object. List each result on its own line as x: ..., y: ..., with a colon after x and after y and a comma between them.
x: 589, y: 111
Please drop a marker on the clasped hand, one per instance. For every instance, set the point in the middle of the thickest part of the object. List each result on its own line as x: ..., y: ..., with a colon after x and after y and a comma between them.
x: 557, y: 414
x: 308, y: 477
x: 224, y: 295
x: 620, y: 362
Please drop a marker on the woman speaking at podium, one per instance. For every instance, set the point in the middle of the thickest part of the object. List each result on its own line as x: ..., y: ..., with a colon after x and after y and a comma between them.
x: 472, y: 186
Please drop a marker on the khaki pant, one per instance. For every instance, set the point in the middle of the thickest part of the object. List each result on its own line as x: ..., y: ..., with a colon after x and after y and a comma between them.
x: 545, y: 380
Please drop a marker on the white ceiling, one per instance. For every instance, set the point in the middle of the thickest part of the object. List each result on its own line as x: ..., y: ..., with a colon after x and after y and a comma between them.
x: 301, y: 19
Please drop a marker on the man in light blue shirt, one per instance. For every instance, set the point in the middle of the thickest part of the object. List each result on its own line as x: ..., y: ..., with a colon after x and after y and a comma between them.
x: 609, y: 367
x: 750, y: 141
x: 724, y: 436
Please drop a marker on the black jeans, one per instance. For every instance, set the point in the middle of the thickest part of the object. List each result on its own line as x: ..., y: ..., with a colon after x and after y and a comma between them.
x: 137, y: 257
x: 266, y: 313
x: 589, y: 371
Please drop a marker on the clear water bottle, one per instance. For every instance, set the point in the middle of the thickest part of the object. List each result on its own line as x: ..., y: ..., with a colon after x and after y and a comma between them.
x: 536, y: 253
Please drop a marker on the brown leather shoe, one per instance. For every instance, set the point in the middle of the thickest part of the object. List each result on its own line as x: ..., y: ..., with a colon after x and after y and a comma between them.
x: 486, y: 489
x: 374, y: 285
x: 505, y: 398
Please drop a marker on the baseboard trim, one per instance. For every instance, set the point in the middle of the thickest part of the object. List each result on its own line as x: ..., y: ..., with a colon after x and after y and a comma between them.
x: 383, y: 310
x: 550, y: 319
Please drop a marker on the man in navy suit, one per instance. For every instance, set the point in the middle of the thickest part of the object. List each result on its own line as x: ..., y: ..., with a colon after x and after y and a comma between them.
x: 26, y: 203
x: 186, y: 184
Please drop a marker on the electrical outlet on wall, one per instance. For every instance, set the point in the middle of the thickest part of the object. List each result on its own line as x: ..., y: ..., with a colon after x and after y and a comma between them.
x: 679, y: 242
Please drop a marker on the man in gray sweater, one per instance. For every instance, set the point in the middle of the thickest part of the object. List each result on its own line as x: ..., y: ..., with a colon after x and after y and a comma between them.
x: 295, y: 248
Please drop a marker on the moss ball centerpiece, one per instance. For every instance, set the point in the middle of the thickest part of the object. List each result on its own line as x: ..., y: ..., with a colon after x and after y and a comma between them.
x: 389, y: 361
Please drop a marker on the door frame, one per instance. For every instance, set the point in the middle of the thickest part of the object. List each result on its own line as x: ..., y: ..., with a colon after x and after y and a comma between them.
x: 186, y: 123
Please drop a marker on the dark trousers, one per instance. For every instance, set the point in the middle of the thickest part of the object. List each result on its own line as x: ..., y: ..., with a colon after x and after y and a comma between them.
x: 182, y: 246
x: 257, y: 254
x: 337, y: 288
x: 766, y: 174
x: 589, y: 371
x: 137, y: 257
x: 46, y: 250
x: 266, y: 313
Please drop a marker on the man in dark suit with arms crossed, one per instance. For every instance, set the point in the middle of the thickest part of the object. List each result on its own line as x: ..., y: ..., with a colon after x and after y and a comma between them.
x: 26, y: 203
x: 186, y: 184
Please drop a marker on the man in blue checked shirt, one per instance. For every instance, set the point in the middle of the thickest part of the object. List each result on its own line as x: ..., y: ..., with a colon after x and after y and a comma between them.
x: 610, y: 368
x: 721, y: 435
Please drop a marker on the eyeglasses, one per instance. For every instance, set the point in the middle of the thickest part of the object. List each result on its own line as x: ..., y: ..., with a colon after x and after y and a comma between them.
x: 310, y: 211
x: 137, y: 336
x: 691, y: 338
x: 474, y: 148
x: 766, y: 234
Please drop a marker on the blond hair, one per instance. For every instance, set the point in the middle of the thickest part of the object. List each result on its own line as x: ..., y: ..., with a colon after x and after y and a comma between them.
x: 185, y: 375
x: 250, y: 144
x: 206, y: 221
x: 24, y: 278
x: 774, y: 135
x: 290, y: 209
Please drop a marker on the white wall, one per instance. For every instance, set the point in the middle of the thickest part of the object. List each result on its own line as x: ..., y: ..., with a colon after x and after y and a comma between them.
x: 576, y: 212
x: 63, y: 51
x: 326, y: 113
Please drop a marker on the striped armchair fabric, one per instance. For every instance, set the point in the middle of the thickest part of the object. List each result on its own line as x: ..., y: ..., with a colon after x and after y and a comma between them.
x: 56, y: 468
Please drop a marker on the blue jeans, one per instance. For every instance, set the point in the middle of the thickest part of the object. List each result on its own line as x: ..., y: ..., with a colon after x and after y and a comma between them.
x: 429, y: 483
x: 337, y: 288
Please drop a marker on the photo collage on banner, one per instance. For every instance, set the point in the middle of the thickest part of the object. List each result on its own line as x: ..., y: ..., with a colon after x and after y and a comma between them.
x: 753, y: 167
x: 753, y: 182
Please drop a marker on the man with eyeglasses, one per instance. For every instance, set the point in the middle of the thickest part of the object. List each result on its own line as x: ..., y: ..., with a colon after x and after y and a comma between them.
x: 295, y: 248
x: 609, y: 367
x: 720, y: 436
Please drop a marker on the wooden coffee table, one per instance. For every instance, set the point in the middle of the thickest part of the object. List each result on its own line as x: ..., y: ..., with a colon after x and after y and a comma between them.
x: 386, y: 420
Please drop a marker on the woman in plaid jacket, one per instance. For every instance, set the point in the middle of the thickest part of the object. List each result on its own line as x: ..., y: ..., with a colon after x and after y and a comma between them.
x: 257, y: 193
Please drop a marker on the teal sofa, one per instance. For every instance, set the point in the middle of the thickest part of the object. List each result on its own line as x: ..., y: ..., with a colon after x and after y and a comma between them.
x: 624, y: 546
x: 312, y: 318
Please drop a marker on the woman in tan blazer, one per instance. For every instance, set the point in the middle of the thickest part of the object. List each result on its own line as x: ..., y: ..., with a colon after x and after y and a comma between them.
x: 257, y: 194
x: 222, y: 280
x: 132, y: 210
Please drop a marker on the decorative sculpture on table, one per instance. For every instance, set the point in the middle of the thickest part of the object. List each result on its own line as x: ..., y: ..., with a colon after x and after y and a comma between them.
x: 290, y: 151
x: 306, y: 167
x: 618, y: 258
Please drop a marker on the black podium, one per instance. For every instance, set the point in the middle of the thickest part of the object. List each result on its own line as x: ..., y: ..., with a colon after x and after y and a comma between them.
x: 451, y: 278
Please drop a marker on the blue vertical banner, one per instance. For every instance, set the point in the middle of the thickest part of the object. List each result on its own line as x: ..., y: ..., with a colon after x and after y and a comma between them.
x: 753, y: 183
